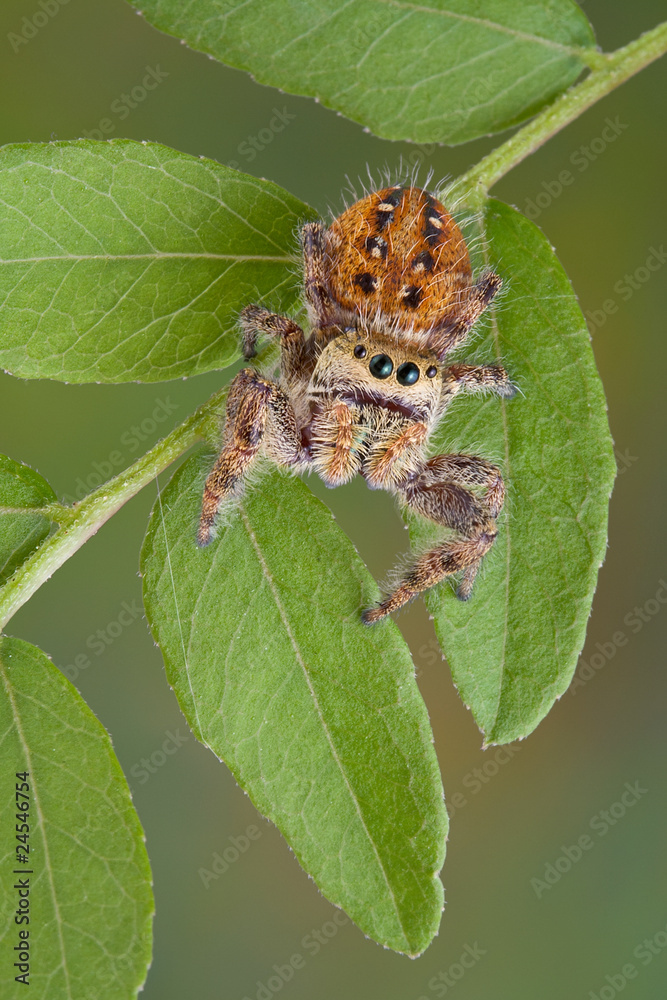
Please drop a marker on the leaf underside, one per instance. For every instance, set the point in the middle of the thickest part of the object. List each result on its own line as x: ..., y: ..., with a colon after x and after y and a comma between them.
x: 91, y: 903
x: 124, y: 261
x: 513, y: 646
x: 443, y: 71
x: 25, y: 520
x: 318, y: 717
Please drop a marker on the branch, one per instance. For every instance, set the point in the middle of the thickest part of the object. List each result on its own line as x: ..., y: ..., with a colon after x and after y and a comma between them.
x: 610, y: 72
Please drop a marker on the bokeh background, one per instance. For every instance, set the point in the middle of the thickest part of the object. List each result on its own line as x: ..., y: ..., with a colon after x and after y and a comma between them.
x: 517, y: 812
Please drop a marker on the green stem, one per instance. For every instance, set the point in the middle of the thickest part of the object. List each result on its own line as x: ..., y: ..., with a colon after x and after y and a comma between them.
x: 611, y: 71
x: 79, y: 523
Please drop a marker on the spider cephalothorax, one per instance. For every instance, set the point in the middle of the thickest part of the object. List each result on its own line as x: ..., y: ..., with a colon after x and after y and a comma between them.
x: 390, y: 293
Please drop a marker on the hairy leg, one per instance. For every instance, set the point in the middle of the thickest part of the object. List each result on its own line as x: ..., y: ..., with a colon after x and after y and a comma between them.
x: 477, y: 378
x: 258, y: 412
x: 467, y: 471
x: 441, y: 492
x: 315, y: 275
x: 388, y: 462
x: 255, y: 320
x: 335, y: 441
x: 456, y: 324
x: 482, y: 293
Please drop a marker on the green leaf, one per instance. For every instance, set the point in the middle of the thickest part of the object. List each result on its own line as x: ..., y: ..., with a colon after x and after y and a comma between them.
x: 439, y: 71
x: 89, y: 879
x: 513, y: 646
x: 126, y: 260
x: 318, y: 717
x: 25, y: 517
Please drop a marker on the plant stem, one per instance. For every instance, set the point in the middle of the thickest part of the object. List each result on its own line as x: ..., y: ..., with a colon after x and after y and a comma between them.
x: 615, y: 69
x: 79, y: 523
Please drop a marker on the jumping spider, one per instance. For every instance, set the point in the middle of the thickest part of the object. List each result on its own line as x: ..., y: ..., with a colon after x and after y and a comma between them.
x: 390, y: 293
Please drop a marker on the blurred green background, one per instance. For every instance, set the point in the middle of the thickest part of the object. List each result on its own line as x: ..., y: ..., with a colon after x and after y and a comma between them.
x: 518, y: 813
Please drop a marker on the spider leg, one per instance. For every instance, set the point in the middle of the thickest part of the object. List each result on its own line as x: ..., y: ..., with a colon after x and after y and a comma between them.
x: 335, y: 440
x: 441, y: 492
x: 456, y: 324
x: 258, y: 414
x: 315, y: 274
x: 388, y: 462
x: 482, y: 294
x: 477, y: 378
x: 254, y: 320
x: 467, y: 471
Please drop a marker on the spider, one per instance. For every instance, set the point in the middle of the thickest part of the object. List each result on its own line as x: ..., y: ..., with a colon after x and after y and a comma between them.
x: 390, y: 293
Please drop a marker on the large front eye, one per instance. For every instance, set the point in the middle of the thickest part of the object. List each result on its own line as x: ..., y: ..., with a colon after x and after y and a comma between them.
x: 407, y: 374
x: 381, y: 366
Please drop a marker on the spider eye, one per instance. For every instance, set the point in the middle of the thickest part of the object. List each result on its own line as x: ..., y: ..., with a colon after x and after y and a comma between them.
x: 381, y: 366
x: 407, y: 374
x: 360, y: 351
x: 431, y: 372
